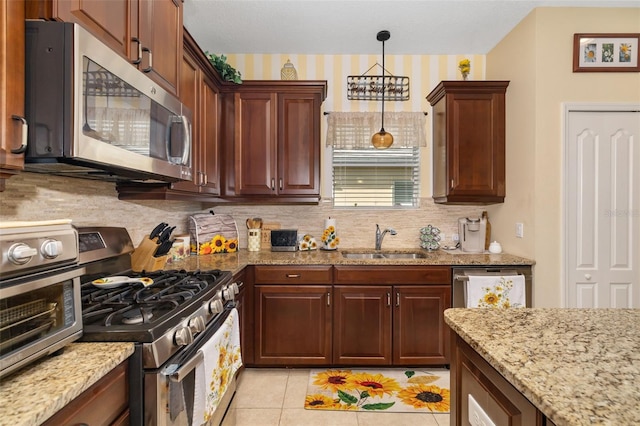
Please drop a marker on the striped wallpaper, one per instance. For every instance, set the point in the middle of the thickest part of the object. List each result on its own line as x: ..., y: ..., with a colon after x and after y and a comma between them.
x: 424, y: 72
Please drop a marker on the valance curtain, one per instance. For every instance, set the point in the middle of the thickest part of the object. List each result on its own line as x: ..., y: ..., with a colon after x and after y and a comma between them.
x: 353, y: 130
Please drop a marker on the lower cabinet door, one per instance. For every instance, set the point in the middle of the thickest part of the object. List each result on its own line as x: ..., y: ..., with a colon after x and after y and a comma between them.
x: 420, y: 335
x: 362, y: 332
x: 293, y: 325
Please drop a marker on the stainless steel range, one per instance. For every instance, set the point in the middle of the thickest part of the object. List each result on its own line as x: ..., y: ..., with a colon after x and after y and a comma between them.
x: 170, y: 315
x: 39, y: 291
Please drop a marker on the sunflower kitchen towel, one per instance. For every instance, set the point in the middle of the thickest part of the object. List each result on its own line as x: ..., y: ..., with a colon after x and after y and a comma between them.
x: 484, y: 291
x: 221, y: 361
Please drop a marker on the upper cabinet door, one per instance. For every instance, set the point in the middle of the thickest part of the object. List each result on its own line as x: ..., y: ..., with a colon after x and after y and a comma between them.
x: 298, y: 147
x: 109, y: 20
x: 469, y: 142
x: 255, y: 143
x: 12, y: 124
x: 160, y: 34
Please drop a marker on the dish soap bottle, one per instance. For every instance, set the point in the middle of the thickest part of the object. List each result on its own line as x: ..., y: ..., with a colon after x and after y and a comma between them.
x: 487, y: 234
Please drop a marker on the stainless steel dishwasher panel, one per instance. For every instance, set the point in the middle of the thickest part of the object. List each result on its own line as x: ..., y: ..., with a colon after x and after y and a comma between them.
x: 461, y: 276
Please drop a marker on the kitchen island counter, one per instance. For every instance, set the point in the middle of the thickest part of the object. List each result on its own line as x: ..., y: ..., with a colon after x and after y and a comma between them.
x: 235, y: 262
x: 33, y: 394
x: 577, y: 366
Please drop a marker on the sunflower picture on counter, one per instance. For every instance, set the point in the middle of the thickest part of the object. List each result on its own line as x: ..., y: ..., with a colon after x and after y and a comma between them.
x: 218, y: 244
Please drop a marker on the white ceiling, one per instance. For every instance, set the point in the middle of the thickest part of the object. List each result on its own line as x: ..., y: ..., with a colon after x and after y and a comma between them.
x: 427, y: 27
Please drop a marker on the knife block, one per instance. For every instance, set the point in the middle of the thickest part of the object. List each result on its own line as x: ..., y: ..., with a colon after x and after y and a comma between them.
x: 142, y: 257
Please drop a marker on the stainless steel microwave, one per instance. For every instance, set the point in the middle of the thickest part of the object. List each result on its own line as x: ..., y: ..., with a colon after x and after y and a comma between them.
x: 92, y: 114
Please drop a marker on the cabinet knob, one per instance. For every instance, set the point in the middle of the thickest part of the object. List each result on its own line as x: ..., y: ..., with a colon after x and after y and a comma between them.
x: 587, y: 277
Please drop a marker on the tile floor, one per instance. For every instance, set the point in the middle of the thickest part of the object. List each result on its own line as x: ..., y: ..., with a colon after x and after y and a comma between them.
x: 275, y: 397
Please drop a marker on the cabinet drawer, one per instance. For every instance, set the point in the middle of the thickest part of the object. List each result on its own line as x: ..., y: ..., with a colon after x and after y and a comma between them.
x: 392, y: 274
x: 285, y: 274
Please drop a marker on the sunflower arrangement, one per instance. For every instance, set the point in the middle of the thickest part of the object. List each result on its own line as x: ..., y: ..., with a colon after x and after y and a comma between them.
x: 465, y: 68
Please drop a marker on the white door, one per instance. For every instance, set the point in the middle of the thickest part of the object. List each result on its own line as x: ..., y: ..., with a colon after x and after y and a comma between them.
x: 602, y: 206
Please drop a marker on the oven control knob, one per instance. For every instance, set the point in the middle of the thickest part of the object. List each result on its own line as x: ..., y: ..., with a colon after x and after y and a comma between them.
x: 183, y: 336
x: 197, y: 324
x: 51, y: 249
x: 216, y: 306
x: 235, y: 288
x: 227, y: 294
x: 20, y: 253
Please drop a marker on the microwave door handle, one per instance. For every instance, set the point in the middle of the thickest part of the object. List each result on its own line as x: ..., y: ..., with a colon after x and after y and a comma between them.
x: 187, y: 140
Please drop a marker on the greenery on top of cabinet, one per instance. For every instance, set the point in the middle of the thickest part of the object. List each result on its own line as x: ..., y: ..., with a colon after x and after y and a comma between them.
x: 227, y: 72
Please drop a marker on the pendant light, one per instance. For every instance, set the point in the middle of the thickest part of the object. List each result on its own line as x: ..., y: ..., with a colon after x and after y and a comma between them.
x: 382, y: 139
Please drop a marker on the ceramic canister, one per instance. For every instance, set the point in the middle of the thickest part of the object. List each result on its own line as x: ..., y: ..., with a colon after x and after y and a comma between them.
x: 253, y: 239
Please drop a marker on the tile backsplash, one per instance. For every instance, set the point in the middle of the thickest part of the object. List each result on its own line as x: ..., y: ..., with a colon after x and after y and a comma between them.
x: 34, y: 196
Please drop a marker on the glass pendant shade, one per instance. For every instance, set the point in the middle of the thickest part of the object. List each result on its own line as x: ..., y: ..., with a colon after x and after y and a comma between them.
x: 382, y: 140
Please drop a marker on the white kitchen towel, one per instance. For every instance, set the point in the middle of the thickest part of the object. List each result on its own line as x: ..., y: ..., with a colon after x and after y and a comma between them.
x: 221, y: 361
x: 485, y: 291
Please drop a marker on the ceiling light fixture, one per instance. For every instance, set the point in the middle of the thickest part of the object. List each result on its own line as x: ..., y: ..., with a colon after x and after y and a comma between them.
x: 382, y: 139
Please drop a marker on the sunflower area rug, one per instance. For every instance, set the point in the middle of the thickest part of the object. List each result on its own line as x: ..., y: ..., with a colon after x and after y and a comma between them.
x: 387, y: 390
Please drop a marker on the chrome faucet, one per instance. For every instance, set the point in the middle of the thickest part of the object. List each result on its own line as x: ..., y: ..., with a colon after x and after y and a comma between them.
x: 380, y: 235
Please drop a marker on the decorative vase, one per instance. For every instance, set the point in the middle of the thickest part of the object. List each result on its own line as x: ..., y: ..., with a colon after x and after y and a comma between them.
x: 288, y: 71
x: 465, y: 76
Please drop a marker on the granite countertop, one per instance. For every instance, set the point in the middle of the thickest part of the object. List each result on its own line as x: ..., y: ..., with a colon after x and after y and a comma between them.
x: 578, y: 366
x: 235, y: 262
x: 32, y: 395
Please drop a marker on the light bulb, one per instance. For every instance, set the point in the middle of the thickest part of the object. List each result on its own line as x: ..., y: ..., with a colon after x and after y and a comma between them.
x: 382, y: 140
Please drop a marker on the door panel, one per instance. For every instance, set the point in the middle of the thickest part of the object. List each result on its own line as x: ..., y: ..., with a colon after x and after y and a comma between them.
x: 603, y: 211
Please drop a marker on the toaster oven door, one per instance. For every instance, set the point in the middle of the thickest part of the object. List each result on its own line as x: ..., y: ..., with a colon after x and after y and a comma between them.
x: 38, y: 315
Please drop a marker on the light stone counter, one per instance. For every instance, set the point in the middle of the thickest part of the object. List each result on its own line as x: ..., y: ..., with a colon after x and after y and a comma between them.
x: 236, y: 261
x: 578, y: 366
x: 38, y: 391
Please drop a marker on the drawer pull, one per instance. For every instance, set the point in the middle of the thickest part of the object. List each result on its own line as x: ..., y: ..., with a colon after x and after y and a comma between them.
x: 293, y: 275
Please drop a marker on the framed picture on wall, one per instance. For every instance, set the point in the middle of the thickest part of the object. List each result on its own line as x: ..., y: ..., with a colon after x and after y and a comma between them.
x: 606, y: 53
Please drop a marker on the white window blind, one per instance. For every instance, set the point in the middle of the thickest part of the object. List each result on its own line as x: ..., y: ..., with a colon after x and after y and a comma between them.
x: 376, y: 178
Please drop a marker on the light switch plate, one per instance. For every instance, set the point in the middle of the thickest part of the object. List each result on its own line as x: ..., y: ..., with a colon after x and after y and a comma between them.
x: 519, y: 230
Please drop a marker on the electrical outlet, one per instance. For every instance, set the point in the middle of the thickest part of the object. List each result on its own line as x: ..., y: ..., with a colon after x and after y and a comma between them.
x: 477, y: 416
x: 455, y: 237
x: 519, y: 230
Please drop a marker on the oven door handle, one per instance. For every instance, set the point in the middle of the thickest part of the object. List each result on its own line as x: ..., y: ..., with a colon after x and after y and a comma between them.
x: 189, y: 360
x: 180, y: 373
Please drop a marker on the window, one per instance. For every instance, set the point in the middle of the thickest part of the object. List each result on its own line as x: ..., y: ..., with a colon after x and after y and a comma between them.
x: 376, y: 178
x: 367, y: 177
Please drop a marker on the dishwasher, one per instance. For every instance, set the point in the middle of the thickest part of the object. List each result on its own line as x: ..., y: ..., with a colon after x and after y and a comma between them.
x: 461, y: 276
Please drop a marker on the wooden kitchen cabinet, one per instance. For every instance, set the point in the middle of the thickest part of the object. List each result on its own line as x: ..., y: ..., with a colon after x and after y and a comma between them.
x: 292, y: 321
x: 146, y: 32
x: 272, y: 139
x: 504, y: 404
x: 105, y: 403
x: 468, y: 142
x: 363, y: 332
x: 391, y: 315
x: 13, y: 130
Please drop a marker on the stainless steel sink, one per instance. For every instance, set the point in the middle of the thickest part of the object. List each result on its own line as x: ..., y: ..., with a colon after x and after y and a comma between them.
x: 383, y: 255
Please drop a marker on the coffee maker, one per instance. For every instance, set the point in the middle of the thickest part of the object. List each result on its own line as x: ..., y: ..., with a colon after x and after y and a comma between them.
x: 472, y: 233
